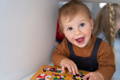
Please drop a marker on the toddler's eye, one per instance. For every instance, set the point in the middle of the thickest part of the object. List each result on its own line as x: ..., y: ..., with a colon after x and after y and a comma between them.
x: 70, y: 28
x: 82, y: 24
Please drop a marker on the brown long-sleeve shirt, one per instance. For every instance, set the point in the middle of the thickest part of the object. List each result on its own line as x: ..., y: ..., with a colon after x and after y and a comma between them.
x: 105, y: 56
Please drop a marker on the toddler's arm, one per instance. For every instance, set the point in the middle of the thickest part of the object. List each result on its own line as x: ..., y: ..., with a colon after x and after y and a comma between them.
x: 106, y: 61
x: 60, y: 58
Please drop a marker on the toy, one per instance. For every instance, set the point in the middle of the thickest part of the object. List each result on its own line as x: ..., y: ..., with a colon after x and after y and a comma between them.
x: 48, y: 72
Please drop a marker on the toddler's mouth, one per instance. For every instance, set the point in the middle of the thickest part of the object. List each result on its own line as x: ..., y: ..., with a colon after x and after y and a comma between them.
x: 80, y: 40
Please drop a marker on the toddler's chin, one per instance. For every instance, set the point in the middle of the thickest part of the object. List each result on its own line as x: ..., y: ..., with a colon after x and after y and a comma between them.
x: 80, y: 45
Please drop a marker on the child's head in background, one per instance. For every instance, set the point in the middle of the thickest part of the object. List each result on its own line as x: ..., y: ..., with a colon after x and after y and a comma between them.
x: 108, y: 21
x: 76, y: 23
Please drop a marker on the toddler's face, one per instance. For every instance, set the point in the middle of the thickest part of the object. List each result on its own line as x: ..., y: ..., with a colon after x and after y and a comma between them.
x: 78, y: 30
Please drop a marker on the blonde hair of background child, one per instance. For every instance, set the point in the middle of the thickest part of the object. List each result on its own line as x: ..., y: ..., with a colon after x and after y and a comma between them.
x: 106, y: 21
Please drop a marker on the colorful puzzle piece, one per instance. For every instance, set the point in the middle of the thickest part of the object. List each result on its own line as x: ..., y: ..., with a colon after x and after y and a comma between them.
x: 48, y: 72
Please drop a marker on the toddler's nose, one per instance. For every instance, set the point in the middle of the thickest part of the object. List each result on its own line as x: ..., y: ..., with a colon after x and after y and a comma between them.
x: 77, y: 32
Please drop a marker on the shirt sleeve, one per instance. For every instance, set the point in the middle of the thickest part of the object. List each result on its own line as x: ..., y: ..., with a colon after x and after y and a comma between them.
x: 60, y: 52
x: 106, y: 61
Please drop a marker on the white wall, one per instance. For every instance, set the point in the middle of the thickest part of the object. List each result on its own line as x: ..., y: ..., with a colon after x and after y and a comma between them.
x: 111, y: 1
x: 27, y: 32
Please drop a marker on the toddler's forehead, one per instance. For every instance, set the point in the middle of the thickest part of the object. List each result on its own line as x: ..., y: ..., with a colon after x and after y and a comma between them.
x: 80, y: 15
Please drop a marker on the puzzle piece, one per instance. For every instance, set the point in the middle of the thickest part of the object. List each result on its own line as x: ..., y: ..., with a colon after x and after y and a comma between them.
x: 47, y: 72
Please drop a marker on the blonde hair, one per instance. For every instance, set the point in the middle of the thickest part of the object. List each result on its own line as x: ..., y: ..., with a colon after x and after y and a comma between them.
x: 106, y: 21
x: 70, y: 9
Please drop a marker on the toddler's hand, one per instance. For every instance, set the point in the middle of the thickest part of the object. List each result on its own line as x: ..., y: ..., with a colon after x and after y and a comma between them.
x: 70, y: 65
x: 93, y: 76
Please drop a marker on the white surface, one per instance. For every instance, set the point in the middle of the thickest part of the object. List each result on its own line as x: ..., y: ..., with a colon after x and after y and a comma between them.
x: 27, y: 33
x: 113, y: 1
x: 116, y: 75
x: 28, y: 77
